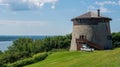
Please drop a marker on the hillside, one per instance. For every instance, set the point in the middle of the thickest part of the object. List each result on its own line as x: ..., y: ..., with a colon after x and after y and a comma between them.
x: 108, y: 58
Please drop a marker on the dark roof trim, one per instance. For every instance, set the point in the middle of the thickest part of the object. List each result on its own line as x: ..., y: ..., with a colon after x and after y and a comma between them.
x: 92, y: 18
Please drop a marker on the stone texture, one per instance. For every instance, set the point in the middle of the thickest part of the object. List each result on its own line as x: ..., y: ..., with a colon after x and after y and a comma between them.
x: 96, y: 33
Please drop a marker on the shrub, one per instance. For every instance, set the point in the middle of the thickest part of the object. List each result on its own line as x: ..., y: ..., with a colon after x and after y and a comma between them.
x: 116, y: 39
x: 39, y: 57
x: 35, y: 58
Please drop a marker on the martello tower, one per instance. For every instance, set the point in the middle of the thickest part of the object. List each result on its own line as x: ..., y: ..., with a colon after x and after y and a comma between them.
x: 93, y: 30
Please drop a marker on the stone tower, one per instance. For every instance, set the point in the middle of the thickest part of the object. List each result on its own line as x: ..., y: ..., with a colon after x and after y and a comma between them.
x: 93, y: 30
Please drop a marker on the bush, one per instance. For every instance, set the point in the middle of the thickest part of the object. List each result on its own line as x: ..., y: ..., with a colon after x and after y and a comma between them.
x: 35, y: 58
x: 21, y: 63
x: 39, y: 57
x: 116, y: 39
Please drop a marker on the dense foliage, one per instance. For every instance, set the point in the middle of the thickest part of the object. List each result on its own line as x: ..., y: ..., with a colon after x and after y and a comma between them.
x: 27, y: 61
x: 116, y: 39
x: 26, y: 47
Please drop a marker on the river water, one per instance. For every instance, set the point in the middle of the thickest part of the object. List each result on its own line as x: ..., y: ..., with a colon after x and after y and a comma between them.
x: 6, y: 41
x: 5, y: 44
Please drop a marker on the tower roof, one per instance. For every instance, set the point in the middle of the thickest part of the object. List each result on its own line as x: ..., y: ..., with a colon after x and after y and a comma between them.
x: 88, y: 14
x: 91, y: 15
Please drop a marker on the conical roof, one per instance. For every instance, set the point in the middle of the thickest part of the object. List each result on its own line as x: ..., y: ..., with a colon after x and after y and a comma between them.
x: 90, y: 15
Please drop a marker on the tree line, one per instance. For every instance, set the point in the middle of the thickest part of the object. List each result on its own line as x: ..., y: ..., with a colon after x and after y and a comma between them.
x: 26, y: 47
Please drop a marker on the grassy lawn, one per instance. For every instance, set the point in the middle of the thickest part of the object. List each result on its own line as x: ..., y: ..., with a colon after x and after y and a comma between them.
x: 107, y: 58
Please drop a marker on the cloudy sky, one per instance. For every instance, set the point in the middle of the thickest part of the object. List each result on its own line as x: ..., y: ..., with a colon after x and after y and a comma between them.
x: 51, y: 17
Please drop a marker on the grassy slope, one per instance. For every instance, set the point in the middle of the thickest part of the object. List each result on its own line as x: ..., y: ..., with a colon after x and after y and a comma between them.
x: 109, y: 58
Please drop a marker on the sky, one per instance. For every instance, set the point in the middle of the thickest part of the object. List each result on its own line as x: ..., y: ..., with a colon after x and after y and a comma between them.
x: 51, y: 17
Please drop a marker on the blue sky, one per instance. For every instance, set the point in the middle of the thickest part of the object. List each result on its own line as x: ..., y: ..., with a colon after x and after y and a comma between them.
x: 51, y: 17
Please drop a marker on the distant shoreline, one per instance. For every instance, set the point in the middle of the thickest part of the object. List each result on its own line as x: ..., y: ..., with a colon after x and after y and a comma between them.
x: 12, y: 38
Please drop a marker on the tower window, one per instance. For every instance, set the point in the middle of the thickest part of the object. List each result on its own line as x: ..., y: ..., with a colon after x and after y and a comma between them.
x: 82, y: 37
x: 109, y: 37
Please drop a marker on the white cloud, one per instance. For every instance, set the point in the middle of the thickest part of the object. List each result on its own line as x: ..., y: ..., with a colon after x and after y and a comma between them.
x: 107, y: 2
x: 40, y: 23
x: 91, y: 8
x: 103, y: 9
x: 0, y: 1
x: 53, y: 6
x: 27, y: 4
x: 119, y: 2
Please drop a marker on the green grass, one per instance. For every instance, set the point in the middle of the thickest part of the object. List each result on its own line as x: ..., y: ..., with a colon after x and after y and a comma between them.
x: 107, y: 58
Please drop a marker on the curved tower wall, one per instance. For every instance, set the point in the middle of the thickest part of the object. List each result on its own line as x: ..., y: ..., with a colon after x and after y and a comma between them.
x: 97, y: 33
x: 80, y: 30
x: 103, y: 36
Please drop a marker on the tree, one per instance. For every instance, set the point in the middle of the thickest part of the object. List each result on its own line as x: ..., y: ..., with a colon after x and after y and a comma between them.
x: 26, y: 47
x: 116, y: 39
x: 1, y: 52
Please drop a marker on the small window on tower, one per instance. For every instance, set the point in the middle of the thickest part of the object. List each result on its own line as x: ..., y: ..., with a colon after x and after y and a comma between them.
x: 109, y: 37
x: 82, y: 37
x: 79, y: 20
